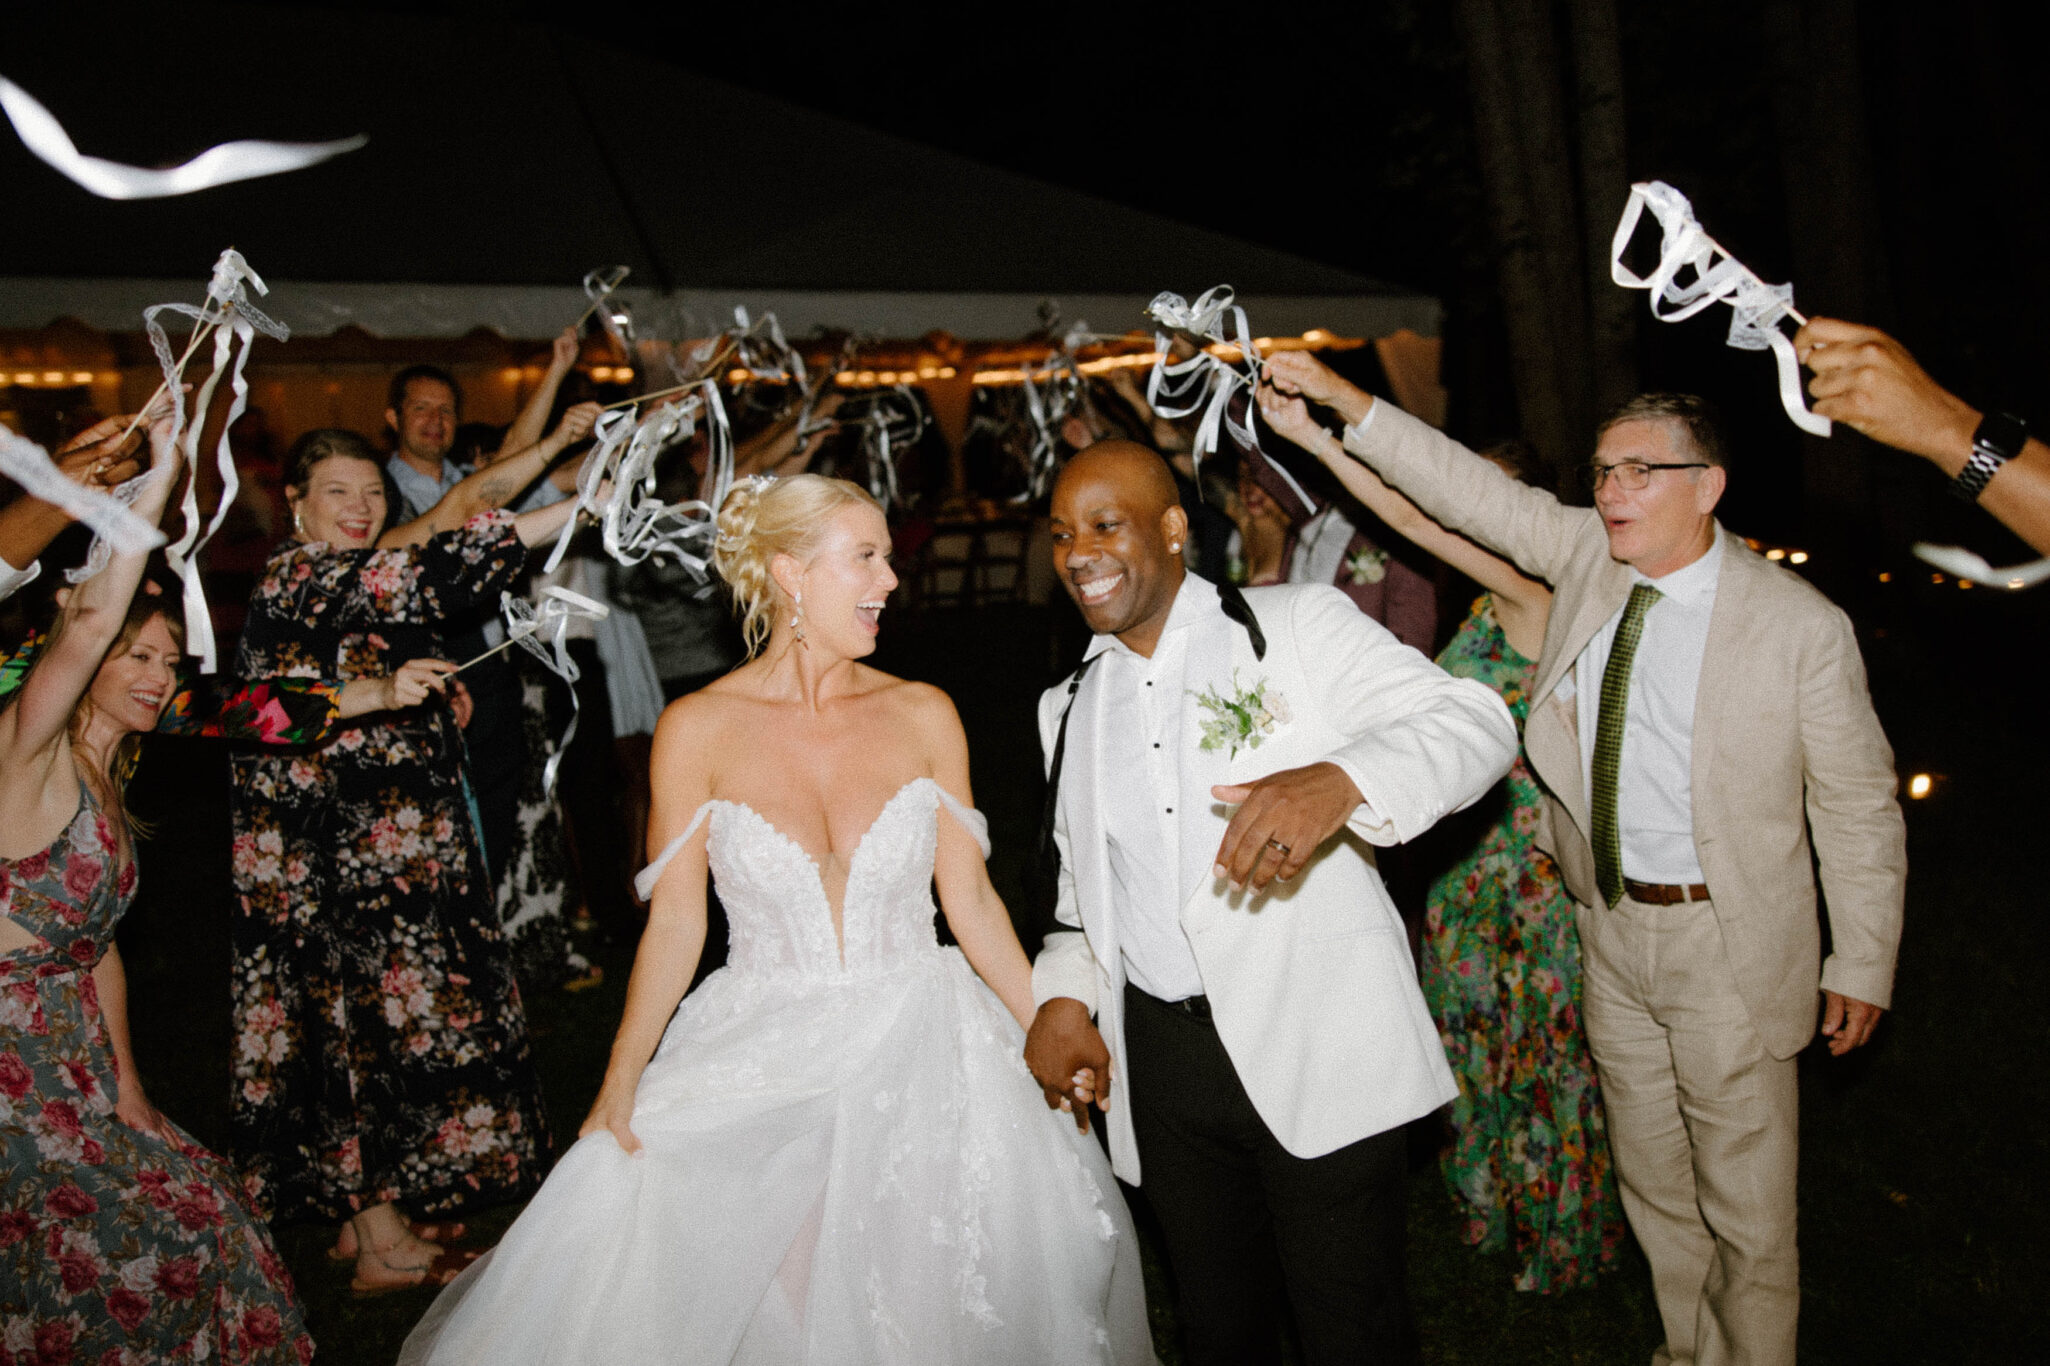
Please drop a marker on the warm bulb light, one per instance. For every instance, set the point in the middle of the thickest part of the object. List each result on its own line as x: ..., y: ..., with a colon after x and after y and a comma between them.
x: 1919, y: 785
x: 24, y: 377
x: 946, y: 372
x: 53, y: 376
x: 1775, y: 554
x: 82, y: 377
x: 622, y: 373
x: 1885, y: 577
x: 1798, y: 557
x: 601, y: 373
x: 511, y: 374
x: 1964, y: 583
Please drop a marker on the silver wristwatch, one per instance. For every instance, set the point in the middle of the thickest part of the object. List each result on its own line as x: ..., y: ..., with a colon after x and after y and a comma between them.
x: 2000, y: 438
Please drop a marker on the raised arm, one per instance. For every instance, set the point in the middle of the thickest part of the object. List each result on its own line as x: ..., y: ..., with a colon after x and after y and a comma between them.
x: 34, y: 726
x: 99, y: 458
x: 1521, y: 602
x: 1456, y: 488
x: 495, y: 484
x: 974, y: 911
x: 1868, y: 381
x: 526, y: 429
x: 675, y: 936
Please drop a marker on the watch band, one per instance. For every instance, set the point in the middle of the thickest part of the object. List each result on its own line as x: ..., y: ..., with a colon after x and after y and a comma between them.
x: 1999, y: 439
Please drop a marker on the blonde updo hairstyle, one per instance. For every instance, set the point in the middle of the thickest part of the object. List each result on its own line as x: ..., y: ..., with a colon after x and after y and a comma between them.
x: 763, y: 518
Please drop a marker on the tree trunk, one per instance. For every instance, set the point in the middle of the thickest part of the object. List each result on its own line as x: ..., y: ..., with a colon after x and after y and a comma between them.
x: 1604, y: 187
x: 1543, y: 357
x: 1826, y: 171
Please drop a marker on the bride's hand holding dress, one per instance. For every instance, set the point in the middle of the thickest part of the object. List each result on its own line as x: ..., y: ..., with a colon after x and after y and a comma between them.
x: 831, y: 1151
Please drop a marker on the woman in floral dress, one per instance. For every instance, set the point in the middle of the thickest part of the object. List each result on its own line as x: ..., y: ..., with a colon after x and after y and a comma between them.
x: 382, y: 1052
x: 120, y: 1237
x: 1528, y: 1165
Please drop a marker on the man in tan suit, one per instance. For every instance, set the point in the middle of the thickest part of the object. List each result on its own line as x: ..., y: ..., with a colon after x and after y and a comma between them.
x: 1700, y: 721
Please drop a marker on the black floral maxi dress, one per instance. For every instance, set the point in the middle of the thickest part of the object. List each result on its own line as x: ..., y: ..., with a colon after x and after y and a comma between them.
x: 381, y: 1050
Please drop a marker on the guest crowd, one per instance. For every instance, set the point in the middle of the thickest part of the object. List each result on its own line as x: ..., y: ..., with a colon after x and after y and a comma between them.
x: 1619, y: 946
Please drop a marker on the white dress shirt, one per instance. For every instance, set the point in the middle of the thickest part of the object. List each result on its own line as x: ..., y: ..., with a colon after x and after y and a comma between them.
x: 1654, y: 782
x: 1320, y: 547
x: 1142, y: 713
x: 12, y: 579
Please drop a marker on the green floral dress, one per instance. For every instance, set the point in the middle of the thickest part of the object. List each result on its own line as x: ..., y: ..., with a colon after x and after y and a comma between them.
x: 1529, y: 1160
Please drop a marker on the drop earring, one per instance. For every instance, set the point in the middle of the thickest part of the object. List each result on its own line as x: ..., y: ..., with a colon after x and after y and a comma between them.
x: 797, y: 619
x: 298, y: 521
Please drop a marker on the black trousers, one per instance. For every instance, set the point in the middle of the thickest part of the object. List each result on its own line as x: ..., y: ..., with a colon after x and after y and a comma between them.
x: 1250, y: 1227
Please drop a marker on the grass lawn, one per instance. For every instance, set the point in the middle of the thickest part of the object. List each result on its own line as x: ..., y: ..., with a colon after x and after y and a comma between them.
x: 1923, y: 1161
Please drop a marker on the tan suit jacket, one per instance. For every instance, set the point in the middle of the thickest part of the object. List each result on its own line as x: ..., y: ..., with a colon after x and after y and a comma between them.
x: 1788, y: 755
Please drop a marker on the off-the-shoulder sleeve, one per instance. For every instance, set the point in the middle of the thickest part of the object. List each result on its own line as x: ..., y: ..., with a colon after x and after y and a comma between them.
x: 269, y: 711
x: 451, y: 574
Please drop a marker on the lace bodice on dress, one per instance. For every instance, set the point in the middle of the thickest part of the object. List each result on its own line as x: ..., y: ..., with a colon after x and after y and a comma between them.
x: 780, y: 920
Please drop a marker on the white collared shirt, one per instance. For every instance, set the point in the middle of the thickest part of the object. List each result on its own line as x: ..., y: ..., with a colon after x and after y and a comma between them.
x: 12, y: 579
x: 1654, y: 782
x: 1137, y: 754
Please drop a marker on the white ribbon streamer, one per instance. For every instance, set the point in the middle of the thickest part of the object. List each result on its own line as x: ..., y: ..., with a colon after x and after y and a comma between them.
x: 1957, y: 560
x: 635, y: 523
x: 1204, y: 381
x: 231, y: 161
x: 615, y: 315
x: 1719, y: 277
x: 114, y: 526
x: 235, y: 321
x: 888, y: 420
x: 542, y: 629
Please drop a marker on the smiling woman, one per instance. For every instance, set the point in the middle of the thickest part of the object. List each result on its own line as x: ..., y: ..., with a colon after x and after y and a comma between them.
x: 121, y: 1237
x: 383, y: 1053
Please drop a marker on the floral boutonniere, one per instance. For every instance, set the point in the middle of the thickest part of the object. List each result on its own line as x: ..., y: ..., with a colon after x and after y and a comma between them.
x: 1244, y: 719
x: 1368, y: 564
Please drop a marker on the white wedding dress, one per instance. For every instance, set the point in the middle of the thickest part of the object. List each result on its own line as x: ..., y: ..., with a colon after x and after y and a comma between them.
x: 842, y: 1163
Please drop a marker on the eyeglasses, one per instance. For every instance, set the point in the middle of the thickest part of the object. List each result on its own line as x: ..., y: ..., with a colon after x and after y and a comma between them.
x: 1630, y: 475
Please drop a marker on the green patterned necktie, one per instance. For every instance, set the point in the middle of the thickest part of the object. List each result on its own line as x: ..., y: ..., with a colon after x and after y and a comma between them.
x: 1608, y: 742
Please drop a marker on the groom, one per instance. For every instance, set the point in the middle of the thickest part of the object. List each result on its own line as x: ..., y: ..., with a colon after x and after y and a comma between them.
x: 1222, y: 763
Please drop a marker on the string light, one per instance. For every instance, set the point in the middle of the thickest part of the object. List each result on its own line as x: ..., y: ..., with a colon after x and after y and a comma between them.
x: 1920, y: 785
x: 1797, y: 557
x: 1775, y: 554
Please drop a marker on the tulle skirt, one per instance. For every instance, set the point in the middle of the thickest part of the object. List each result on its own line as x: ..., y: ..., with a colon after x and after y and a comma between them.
x: 833, y: 1170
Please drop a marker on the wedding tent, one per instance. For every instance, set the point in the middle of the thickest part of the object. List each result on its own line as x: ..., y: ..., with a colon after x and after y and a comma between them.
x: 505, y: 161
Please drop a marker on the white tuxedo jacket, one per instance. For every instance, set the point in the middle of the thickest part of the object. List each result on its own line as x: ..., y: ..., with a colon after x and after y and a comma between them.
x: 1311, y: 984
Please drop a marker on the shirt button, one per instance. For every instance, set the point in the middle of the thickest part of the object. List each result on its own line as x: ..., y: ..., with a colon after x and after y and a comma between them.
x: 1156, y: 744
x: 1170, y: 811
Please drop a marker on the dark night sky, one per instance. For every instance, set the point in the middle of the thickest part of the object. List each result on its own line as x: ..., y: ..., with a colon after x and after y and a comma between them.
x: 1341, y: 133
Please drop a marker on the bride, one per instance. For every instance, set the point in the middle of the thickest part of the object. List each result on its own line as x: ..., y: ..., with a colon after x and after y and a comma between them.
x: 832, y: 1152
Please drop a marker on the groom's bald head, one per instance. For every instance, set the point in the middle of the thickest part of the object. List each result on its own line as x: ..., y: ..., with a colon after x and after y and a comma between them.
x: 1118, y: 530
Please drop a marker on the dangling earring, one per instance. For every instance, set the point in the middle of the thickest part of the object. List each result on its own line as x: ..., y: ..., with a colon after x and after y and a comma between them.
x: 797, y: 619
x: 298, y: 523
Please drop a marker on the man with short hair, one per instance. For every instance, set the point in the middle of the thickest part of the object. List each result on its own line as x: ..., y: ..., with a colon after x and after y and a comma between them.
x: 1221, y: 765
x: 422, y: 410
x: 1700, y: 722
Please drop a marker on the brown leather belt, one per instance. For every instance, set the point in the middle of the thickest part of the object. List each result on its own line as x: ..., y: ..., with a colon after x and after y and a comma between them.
x: 1664, y: 893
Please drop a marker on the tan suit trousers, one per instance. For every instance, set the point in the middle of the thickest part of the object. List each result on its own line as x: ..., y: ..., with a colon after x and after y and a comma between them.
x: 1703, y: 1122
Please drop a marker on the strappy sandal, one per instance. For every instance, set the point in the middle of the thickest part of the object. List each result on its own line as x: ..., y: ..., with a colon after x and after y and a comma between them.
x: 443, y: 1234
x: 445, y: 1267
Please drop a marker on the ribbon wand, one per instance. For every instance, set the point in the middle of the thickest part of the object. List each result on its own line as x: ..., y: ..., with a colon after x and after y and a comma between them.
x: 199, y: 332
x: 508, y: 642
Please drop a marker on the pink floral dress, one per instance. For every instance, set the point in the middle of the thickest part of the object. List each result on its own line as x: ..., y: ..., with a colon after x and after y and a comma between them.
x: 381, y: 1050
x: 115, y: 1245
